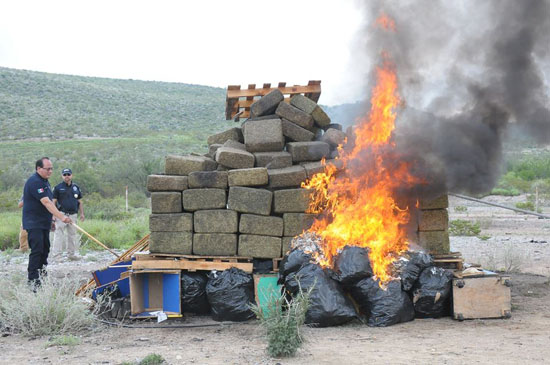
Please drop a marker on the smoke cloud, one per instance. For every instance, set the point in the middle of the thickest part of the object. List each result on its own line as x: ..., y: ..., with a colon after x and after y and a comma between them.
x: 467, y: 71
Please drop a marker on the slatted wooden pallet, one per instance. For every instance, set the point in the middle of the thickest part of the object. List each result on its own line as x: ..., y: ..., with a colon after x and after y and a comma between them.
x: 191, y: 262
x: 452, y: 260
x: 238, y: 101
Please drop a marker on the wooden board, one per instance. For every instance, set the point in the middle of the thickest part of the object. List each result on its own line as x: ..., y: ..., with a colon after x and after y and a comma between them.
x: 190, y: 265
x: 238, y: 101
x: 482, y: 297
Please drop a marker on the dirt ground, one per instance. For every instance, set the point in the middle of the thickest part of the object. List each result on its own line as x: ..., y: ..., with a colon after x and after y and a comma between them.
x: 510, y: 240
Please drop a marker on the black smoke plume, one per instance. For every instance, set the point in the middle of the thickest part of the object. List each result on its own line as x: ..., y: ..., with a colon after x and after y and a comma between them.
x: 467, y: 71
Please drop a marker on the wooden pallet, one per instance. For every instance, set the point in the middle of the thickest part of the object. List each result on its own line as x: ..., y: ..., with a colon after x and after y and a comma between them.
x: 238, y: 101
x: 191, y: 262
x: 452, y: 260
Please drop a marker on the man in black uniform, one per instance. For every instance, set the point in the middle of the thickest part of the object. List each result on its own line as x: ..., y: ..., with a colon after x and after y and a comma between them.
x: 67, y: 198
x: 38, y: 209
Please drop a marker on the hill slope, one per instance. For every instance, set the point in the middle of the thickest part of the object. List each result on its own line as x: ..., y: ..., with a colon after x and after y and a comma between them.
x: 36, y: 104
x: 134, y: 124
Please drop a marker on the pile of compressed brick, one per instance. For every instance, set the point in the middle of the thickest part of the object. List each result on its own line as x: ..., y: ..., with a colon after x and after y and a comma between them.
x: 433, y: 225
x: 243, y: 197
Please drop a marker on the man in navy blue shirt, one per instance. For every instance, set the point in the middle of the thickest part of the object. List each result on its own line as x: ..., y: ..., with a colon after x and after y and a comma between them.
x: 38, y: 209
x: 67, y: 198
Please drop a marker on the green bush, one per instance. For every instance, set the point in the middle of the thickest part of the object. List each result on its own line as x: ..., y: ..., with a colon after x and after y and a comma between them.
x: 526, y: 206
x: 531, y: 167
x: 152, y: 359
x: 461, y: 227
x: 510, y: 184
x: 282, y: 320
x: 505, y: 192
x: 63, y: 340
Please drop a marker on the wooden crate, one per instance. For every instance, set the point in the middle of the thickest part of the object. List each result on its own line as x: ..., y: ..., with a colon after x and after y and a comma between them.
x: 152, y: 291
x: 482, y: 296
x: 238, y: 101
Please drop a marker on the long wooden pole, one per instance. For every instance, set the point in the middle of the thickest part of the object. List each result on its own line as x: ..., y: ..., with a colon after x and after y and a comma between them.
x: 95, y: 239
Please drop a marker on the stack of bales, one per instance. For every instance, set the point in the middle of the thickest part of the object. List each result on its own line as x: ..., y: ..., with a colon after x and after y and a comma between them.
x: 243, y: 197
x: 433, y: 225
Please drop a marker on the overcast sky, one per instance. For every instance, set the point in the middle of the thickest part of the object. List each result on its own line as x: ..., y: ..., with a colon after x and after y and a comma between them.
x: 216, y: 42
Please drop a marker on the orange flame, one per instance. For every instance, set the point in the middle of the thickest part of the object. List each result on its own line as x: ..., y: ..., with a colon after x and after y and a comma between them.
x: 385, y: 22
x: 357, y: 203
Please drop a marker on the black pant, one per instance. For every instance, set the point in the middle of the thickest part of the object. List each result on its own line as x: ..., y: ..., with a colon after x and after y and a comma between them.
x: 39, y: 242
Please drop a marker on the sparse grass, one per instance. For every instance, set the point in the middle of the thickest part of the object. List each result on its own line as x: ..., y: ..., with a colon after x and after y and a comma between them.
x: 282, y: 320
x: 484, y: 237
x: 52, y: 310
x: 513, y: 259
x: 506, y: 258
x: 63, y: 340
x: 461, y: 227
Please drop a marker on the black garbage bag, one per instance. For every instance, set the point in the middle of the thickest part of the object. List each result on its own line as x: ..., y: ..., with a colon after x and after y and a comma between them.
x: 411, y: 271
x: 193, y: 288
x: 230, y: 294
x: 292, y: 262
x: 262, y: 266
x: 328, y: 305
x: 382, y: 307
x: 352, y: 264
x: 432, y: 293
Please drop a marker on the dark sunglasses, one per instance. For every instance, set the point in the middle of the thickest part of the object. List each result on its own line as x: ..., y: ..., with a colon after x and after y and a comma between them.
x: 66, y: 174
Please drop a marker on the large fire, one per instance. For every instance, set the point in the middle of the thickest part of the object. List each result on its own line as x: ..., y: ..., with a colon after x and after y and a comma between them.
x: 357, y: 204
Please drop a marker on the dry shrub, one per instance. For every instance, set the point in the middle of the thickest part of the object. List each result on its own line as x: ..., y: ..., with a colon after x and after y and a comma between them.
x: 506, y: 258
x: 50, y: 311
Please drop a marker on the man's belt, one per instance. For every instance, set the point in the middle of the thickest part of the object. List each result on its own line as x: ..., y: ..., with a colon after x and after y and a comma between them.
x: 68, y: 213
